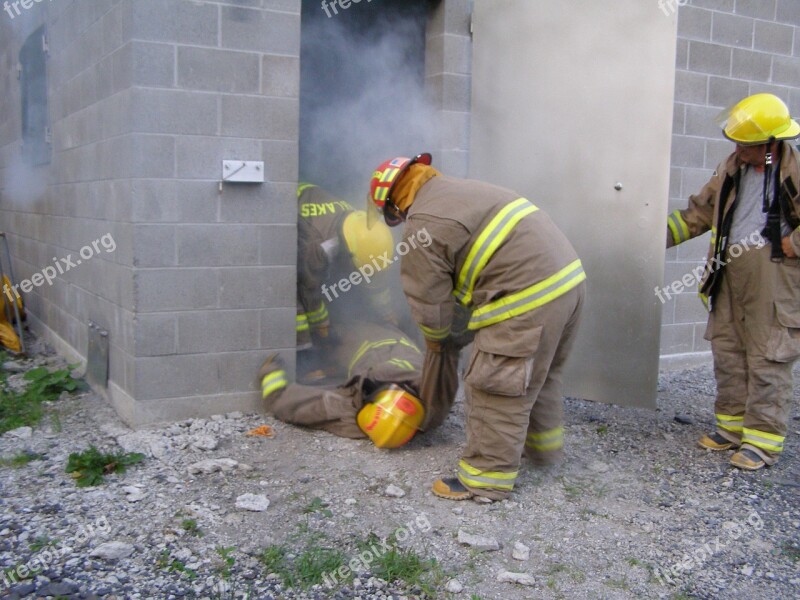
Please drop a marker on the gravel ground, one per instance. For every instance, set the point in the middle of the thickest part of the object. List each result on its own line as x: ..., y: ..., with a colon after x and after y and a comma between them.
x: 636, y: 511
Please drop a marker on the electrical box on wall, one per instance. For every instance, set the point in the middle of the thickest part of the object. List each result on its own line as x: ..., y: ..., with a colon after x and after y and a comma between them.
x: 243, y: 171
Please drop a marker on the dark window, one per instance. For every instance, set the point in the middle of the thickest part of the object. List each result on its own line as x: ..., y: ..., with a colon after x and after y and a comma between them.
x: 33, y: 84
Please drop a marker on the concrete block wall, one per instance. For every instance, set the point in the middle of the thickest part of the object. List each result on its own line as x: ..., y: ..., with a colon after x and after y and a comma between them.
x: 448, y: 68
x: 727, y: 49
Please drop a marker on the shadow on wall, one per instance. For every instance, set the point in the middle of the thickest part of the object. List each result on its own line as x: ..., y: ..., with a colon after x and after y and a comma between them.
x: 362, y: 91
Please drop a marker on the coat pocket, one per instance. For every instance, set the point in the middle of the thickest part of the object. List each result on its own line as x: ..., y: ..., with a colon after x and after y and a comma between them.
x: 491, y: 370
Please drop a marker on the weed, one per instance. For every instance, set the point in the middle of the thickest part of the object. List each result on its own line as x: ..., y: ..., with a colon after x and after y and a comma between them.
x: 20, y: 409
x: 791, y: 550
x: 21, y: 459
x: 634, y: 562
x: 228, y: 560
x: 89, y: 467
x: 164, y: 562
x: 317, y: 505
x: 191, y: 527
x: 621, y: 584
x: 602, y: 429
x: 42, y: 541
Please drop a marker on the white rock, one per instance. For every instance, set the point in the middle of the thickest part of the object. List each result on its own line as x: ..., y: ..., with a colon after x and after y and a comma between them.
x: 479, y: 542
x: 350, y: 501
x: 205, y: 442
x: 22, y: 433
x: 598, y: 467
x: 253, y: 502
x: 454, y: 586
x: 747, y: 570
x: 134, y: 494
x: 521, y: 551
x: 212, y: 465
x: 520, y: 578
x: 394, y: 492
x: 112, y: 550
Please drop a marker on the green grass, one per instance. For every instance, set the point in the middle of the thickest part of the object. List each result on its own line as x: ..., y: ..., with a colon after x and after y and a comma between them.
x: 191, y: 527
x: 317, y: 505
x: 306, y: 568
x: 791, y: 550
x: 20, y: 459
x: 166, y: 563
x: 20, y: 409
x: 227, y: 561
x: 42, y: 541
x: 89, y: 467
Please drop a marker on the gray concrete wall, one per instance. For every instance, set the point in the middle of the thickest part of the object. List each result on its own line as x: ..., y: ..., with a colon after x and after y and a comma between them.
x: 727, y: 49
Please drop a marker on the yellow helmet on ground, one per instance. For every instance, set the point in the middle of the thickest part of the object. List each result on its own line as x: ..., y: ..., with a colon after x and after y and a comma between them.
x: 391, y: 417
x: 758, y: 119
x: 365, y: 244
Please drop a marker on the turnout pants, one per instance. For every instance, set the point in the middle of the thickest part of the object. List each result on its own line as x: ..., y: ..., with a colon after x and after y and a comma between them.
x: 513, y: 394
x: 753, y: 354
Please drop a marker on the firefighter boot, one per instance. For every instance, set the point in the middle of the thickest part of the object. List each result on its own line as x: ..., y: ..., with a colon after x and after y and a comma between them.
x: 748, y: 460
x: 272, y: 363
x: 716, y: 442
x: 451, y: 488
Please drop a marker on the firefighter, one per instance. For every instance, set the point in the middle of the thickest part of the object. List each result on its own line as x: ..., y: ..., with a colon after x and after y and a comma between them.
x: 379, y: 398
x: 332, y: 241
x: 752, y: 291
x: 503, y: 258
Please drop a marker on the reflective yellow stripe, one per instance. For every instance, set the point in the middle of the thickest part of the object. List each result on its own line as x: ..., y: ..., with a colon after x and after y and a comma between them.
x: 303, y: 187
x: 273, y: 382
x: 389, y: 175
x: 730, y: 423
x: 403, y: 364
x: 381, y: 193
x: 435, y: 334
x: 678, y: 227
x: 476, y: 478
x: 318, y: 316
x: 301, y: 323
x: 703, y: 299
x: 487, y: 243
x: 529, y: 298
x: 763, y: 440
x: 367, y: 346
x: 546, y: 440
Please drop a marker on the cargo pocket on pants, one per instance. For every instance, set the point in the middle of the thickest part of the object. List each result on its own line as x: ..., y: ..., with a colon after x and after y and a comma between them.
x: 491, y: 369
x: 784, y: 343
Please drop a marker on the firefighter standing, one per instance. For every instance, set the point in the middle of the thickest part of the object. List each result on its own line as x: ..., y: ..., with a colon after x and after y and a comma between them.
x: 332, y: 241
x: 753, y: 294
x: 381, y: 367
x: 501, y: 256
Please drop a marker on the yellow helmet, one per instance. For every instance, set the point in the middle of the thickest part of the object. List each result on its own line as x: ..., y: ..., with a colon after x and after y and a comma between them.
x: 758, y: 119
x: 365, y: 244
x: 391, y: 417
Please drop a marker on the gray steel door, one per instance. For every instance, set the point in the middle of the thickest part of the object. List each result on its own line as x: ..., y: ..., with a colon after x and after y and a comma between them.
x: 572, y: 100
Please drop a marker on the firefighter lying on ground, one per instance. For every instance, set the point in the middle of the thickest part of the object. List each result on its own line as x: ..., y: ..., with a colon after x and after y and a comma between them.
x: 379, y: 399
x: 504, y: 259
x: 333, y: 242
x: 752, y: 291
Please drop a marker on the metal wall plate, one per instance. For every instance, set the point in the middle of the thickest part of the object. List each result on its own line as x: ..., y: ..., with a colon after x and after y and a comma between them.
x: 97, y: 356
x: 243, y: 171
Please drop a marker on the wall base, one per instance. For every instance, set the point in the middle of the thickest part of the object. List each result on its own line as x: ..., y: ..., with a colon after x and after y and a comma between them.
x: 687, y: 360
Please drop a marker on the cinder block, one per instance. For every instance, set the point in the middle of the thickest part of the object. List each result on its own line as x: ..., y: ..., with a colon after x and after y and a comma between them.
x: 694, y: 23
x: 759, y: 9
x: 773, y: 37
x: 788, y: 12
x: 700, y: 122
x: 677, y: 339
x: 201, y: 157
x: 689, y: 308
x: 454, y: 130
x: 453, y: 162
x: 679, y: 119
x: 700, y: 343
x: 280, y: 76
x: 252, y: 116
x: 709, y: 58
x: 456, y: 92
x: 218, y: 331
x: 723, y: 92
x: 175, y: 376
x: 270, y: 32
x: 269, y: 203
x: 154, y: 200
x: 675, y: 182
x: 451, y: 16
x: 257, y: 287
x: 152, y: 156
x: 193, y: 23
x: 278, y: 245
x: 695, y: 249
x: 751, y: 65
x: 198, y: 201
x: 732, y: 30
x: 238, y: 370
x: 786, y: 70
x: 434, y: 54
x: 175, y: 289
x: 278, y: 328
x: 687, y: 151
x: 153, y: 64
x: 218, y: 245
x: 112, y: 27
x: 682, y: 54
x: 717, y: 151
x: 691, y: 87
x: 280, y: 160
x: 173, y: 111
x: 218, y: 70
x: 154, y: 246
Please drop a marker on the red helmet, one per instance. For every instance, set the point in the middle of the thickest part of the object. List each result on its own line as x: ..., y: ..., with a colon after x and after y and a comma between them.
x: 384, y: 178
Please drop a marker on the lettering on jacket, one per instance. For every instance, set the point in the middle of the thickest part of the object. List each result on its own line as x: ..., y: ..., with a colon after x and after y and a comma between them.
x: 324, y: 208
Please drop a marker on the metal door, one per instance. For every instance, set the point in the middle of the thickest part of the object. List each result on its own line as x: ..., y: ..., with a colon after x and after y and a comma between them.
x: 572, y: 107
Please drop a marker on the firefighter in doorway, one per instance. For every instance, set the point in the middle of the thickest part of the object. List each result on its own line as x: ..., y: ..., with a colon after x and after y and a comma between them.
x: 332, y: 241
x: 500, y: 256
x: 752, y: 293
x: 380, y: 397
